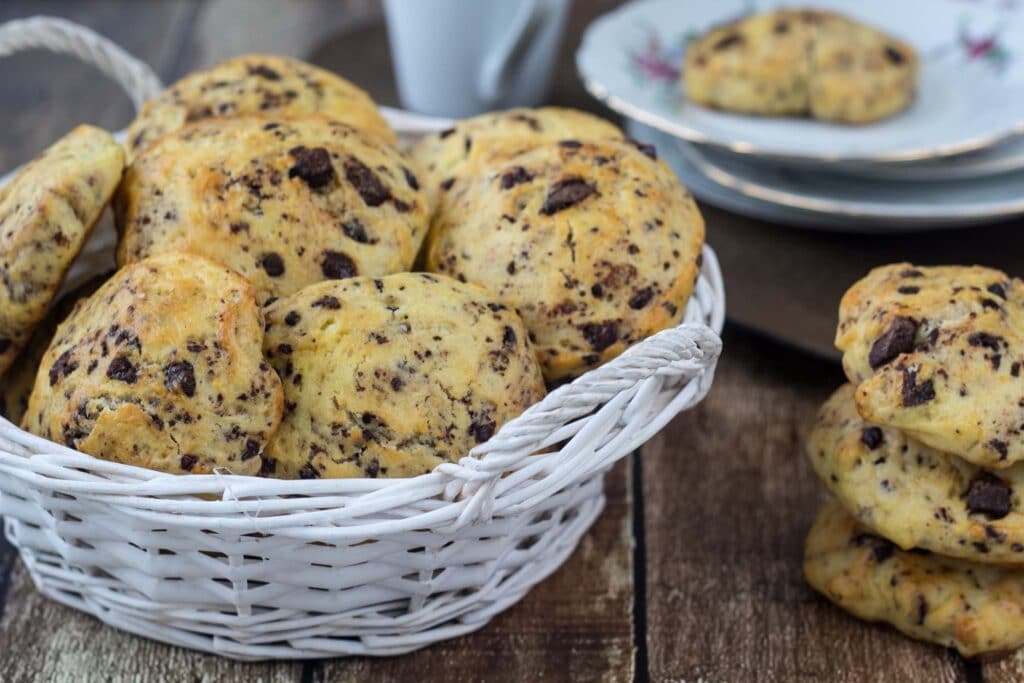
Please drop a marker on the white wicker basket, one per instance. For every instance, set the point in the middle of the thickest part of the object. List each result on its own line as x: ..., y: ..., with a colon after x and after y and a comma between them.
x: 256, y: 568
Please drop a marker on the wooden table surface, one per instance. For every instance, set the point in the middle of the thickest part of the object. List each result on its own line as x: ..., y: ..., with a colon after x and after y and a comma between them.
x: 693, y: 571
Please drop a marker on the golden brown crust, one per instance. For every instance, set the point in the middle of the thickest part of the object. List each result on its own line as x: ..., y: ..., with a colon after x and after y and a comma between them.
x: 162, y: 368
x: 595, y: 244
x: 497, y: 136
x: 801, y: 62
x: 392, y: 376
x: 286, y: 203
x: 937, y: 352
x: 256, y: 85
x: 975, y: 608
x: 47, y: 213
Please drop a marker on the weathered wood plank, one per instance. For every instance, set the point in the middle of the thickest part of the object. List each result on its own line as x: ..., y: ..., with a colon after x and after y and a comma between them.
x: 43, y: 95
x: 728, y: 498
x: 51, y: 642
x: 576, y: 625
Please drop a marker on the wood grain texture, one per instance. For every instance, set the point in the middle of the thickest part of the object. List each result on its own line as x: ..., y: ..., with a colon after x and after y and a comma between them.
x: 728, y: 499
x: 575, y: 626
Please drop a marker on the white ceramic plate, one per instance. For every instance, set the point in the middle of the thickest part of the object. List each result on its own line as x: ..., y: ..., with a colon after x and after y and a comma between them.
x: 946, y: 203
x: 1005, y: 157
x: 710, y: 192
x: 970, y: 96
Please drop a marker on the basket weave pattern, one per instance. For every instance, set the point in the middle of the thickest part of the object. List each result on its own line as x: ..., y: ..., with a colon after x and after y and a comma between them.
x: 260, y: 568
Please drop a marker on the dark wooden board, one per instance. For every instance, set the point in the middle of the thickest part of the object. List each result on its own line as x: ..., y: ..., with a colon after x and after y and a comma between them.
x: 787, y: 282
x: 728, y: 498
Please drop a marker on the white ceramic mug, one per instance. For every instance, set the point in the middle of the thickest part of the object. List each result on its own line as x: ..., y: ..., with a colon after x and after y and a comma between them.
x: 463, y: 57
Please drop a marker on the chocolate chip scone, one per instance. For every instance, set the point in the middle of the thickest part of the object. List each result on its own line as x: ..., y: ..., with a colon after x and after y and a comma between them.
x: 17, y: 384
x: 795, y: 62
x: 163, y: 368
x: 46, y: 214
x: 265, y: 85
x: 937, y: 352
x: 914, y: 495
x: 596, y: 245
x: 973, y: 607
x: 449, y: 155
x: 390, y: 377
x: 286, y: 203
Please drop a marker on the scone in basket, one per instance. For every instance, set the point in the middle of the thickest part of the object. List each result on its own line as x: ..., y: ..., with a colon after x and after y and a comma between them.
x: 256, y: 568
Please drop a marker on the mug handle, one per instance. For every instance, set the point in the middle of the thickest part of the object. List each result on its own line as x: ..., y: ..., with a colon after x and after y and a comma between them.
x: 495, y: 69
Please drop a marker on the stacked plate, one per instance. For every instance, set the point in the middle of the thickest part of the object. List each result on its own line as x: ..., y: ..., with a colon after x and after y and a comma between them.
x: 954, y: 158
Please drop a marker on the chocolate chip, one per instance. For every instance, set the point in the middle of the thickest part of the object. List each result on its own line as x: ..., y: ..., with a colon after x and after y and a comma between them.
x: 988, y: 495
x: 647, y: 149
x: 312, y: 166
x: 985, y: 340
x: 894, y: 55
x: 899, y: 338
x: 447, y: 183
x: 355, y: 230
x: 410, y: 179
x: 251, y: 450
x: 307, y: 471
x: 508, y: 339
x: 372, y: 468
x: 62, y: 367
x: 264, y: 72
x: 1000, y: 447
x: 872, y: 437
x: 600, y: 335
x: 516, y: 176
x: 445, y: 133
x: 180, y: 376
x: 273, y: 264
x: 641, y: 298
x: 911, y: 272
x: 570, y: 144
x: 268, y: 466
x: 292, y: 319
x: 909, y: 290
x: 285, y: 349
x: 122, y: 370
x: 366, y: 182
x: 397, y: 383
x: 327, y: 301
x: 565, y: 193
x: 482, y: 431
x: 188, y: 462
x: 915, y: 394
x: 337, y: 265
x: 728, y: 41
x: 781, y: 28
x: 997, y: 289
x: 881, y: 548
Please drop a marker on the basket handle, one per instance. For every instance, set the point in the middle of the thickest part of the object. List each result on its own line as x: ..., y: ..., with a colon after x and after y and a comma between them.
x: 599, y: 418
x: 59, y: 35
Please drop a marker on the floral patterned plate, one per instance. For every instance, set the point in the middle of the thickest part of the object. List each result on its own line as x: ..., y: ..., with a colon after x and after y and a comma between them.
x: 970, y: 94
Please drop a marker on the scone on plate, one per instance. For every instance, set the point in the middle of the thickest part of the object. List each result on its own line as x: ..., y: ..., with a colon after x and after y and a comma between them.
x: 937, y: 352
x: 264, y: 85
x: 284, y: 202
x: 162, y: 367
x: 596, y: 245
x: 451, y: 154
x: 391, y: 376
x: 801, y: 62
x: 17, y: 384
x: 47, y: 213
x: 975, y: 608
x: 914, y: 495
